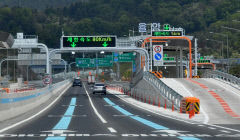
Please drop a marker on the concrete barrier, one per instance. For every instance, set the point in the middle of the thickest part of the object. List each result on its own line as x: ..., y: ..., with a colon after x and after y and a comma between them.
x: 13, y: 105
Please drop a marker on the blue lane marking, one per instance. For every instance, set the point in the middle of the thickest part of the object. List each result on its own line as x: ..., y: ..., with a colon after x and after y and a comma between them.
x: 56, y: 138
x: 65, y: 120
x: 188, y: 138
x: 144, y: 121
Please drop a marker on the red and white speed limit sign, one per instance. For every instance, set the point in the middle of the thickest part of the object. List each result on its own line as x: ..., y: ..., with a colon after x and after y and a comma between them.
x: 47, y: 80
x: 157, y: 49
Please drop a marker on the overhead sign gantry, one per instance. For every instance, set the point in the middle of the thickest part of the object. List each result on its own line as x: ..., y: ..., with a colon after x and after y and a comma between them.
x: 88, y: 41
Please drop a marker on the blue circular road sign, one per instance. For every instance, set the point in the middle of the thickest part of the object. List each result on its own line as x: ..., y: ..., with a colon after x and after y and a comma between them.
x: 158, y: 56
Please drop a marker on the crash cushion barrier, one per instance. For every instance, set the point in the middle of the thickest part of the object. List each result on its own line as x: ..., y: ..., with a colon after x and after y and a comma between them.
x: 157, y: 74
x: 13, y: 105
x: 186, y: 103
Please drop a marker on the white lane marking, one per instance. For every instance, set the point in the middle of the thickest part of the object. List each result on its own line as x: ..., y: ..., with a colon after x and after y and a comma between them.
x: 113, y: 105
x: 224, y: 127
x: 95, y: 110
x: 204, y: 113
x: 112, y: 130
x: 200, y: 125
x: 56, y: 116
x: 71, y: 135
x: 224, y: 131
x: 37, y: 114
x: 59, y: 131
x: 72, y: 105
x: 21, y: 135
x: 124, y: 115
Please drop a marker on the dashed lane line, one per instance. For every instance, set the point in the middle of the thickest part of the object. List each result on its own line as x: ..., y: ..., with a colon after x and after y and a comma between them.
x: 56, y: 116
x: 112, y: 130
x: 60, y: 136
x: 224, y: 131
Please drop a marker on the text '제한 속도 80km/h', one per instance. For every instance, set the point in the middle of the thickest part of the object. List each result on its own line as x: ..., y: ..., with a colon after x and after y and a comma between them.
x: 89, y: 41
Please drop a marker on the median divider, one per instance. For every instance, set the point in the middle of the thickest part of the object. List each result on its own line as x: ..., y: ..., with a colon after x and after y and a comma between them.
x: 14, y: 105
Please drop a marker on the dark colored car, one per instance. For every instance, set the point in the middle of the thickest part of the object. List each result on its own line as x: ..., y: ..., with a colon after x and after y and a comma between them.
x: 99, y: 88
x: 77, y: 82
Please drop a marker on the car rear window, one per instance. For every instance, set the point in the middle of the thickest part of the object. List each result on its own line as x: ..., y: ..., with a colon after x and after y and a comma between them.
x: 77, y: 80
x: 99, y: 85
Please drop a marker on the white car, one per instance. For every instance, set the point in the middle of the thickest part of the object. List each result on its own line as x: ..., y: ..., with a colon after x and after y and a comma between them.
x: 99, y: 88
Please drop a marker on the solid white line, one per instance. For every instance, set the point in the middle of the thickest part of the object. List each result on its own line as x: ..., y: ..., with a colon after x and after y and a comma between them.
x: 37, y: 114
x: 112, y: 130
x: 95, y: 110
x: 224, y: 127
x: 225, y: 131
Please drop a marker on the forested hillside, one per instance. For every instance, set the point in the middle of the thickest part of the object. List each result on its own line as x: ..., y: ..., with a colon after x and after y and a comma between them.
x: 116, y: 17
x: 38, y: 4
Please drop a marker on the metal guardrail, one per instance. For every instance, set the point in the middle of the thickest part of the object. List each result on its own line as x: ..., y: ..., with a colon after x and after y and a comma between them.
x: 223, y: 76
x: 164, y: 90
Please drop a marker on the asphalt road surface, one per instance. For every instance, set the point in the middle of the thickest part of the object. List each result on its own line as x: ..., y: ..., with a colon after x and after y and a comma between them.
x: 81, y: 115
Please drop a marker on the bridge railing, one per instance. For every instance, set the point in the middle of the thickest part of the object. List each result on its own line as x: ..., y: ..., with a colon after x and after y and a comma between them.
x: 163, y: 89
x: 222, y: 76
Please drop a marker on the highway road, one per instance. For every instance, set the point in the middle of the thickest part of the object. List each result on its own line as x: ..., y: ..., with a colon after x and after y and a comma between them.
x: 81, y: 115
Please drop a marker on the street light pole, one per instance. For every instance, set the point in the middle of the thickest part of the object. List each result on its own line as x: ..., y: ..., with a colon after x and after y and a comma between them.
x: 69, y: 66
x: 225, y: 35
x: 221, y: 52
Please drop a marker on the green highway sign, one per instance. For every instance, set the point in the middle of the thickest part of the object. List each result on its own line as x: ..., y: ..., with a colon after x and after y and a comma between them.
x: 103, y: 62
x: 169, y: 58
x: 203, y: 61
x: 91, y: 63
x: 126, y: 57
x: 107, y: 61
x: 167, y: 33
x: 82, y: 62
x: 88, y: 41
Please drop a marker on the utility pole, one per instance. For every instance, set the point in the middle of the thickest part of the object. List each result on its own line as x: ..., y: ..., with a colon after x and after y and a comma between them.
x: 181, y: 62
x: 195, y: 57
x: 177, y: 67
x: 151, y: 55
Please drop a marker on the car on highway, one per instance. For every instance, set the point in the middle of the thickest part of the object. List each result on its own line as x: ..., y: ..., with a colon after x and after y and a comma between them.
x: 99, y: 88
x: 77, y: 82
